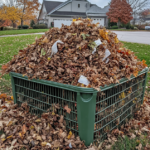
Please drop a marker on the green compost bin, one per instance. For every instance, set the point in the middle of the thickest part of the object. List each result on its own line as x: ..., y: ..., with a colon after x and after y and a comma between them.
x: 93, y: 114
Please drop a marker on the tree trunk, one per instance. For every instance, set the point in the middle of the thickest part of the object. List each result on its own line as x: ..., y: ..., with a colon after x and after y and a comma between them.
x: 13, y: 24
x: 21, y: 23
x: 118, y: 23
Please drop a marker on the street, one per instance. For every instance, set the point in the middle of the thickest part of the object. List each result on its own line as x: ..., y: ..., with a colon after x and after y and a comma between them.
x: 134, y: 36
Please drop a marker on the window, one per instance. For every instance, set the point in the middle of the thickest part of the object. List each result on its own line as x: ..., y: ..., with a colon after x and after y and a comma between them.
x: 78, y: 5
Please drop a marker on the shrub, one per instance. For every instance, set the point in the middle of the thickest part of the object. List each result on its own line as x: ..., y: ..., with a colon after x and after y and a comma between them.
x: 110, y: 24
x: 132, y: 27
x: 135, y: 28
x: 23, y: 27
x: 141, y: 27
x: 40, y: 26
x: 32, y: 23
x: 128, y: 26
x: 114, y: 27
x: 8, y: 28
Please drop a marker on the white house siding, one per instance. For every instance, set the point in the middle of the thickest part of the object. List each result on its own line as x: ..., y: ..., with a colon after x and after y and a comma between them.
x: 62, y: 19
x: 66, y: 8
x: 102, y: 20
x: 83, y: 6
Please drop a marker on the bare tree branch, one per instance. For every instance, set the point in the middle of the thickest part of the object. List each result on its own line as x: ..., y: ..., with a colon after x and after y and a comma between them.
x: 9, y: 2
x: 138, y: 5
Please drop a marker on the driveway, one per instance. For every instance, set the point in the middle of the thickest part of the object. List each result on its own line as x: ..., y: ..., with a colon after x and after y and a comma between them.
x: 134, y: 36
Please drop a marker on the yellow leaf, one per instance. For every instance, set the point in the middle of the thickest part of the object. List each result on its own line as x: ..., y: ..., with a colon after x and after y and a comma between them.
x: 9, y: 137
x: 32, y: 127
x: 116, y: 40
x: 20, y: 134
x: 12, y: 97
x: 3, y: 140
x: 53, y: 113
x: 43, y: 144
x: 45, y: 40
x: 74, y: 20
x: 49, y: 58
x: 38, y: 120
x: 10, y: 123
x: 69, y: 135
x: 122, y: 95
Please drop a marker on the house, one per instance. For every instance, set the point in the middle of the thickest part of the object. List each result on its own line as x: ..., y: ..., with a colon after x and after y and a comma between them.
x: 63, y: 12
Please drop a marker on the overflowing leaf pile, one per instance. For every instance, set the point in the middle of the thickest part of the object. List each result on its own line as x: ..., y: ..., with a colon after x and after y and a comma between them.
x: 75, y: 56
x: 19, y: 129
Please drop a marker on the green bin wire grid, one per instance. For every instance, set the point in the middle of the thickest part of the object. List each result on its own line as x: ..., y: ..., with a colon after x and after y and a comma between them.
x: 116, y: 105
x: 92, y: 114
x: 41, y: 97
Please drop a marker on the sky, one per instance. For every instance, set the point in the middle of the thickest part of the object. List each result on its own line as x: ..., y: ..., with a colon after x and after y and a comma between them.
x: 100, y: 3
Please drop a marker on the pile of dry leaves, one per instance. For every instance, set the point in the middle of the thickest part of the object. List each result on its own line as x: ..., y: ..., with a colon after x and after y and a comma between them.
x: 19, y: 129
x: 83, y: 48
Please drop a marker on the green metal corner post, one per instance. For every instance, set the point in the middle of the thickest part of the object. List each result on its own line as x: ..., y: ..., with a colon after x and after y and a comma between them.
x: 86, y: 105
x: 144, y: 84
x: 13, y: 88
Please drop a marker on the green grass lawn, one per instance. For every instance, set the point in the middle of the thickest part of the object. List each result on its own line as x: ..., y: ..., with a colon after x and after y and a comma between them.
x: 142, y: 51
x: 25, y: 31
x: 9, y: 46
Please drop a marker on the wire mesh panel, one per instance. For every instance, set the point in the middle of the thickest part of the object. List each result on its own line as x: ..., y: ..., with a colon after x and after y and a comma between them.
x: 93, y: 114
x: 41, y: 97
x: 115, y: 105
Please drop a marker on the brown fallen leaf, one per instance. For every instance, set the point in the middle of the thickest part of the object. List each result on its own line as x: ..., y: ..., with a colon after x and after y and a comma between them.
x: 67, y: 109
x: 56, y: 143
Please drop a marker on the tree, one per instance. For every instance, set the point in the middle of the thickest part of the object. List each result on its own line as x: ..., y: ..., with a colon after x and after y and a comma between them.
x: 10, y: 13
x: 32, y: 23
x: 120, y: 11
x: 143, y: 14
x: 137, y: 6
x: 28, y: 9
x: 9, y: 2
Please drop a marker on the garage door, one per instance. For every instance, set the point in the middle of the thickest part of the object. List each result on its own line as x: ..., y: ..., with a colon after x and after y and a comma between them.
x: 100, y: 21
x: 58, y: 23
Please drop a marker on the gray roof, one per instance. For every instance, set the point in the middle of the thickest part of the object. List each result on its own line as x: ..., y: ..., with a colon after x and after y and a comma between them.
x: 69, y: 13
x: 50, y: 5
x: 59, y: 6
x: 98, y: 10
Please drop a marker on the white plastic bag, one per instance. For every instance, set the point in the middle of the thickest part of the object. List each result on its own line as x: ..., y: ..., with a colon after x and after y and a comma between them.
x: 54, y: 47
x: 107, y: 54
x: 70, y: 145
x: 98, y: 42
x: 83, y: 80
x: 107, y: 60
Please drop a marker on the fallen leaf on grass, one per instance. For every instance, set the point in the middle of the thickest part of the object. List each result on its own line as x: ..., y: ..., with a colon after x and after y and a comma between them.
x: 139, y: 147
